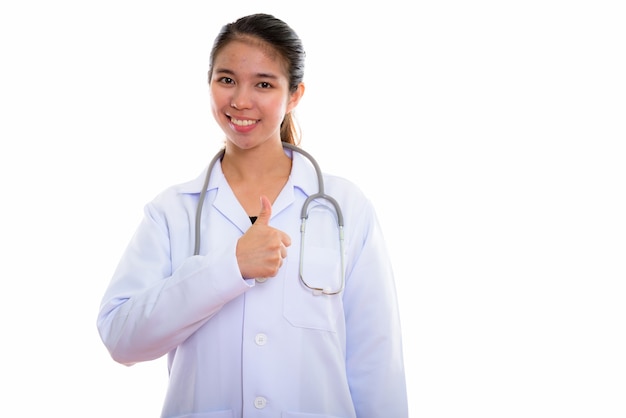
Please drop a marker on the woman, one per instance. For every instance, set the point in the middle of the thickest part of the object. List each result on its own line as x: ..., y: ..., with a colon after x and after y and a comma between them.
x: 243, y: 333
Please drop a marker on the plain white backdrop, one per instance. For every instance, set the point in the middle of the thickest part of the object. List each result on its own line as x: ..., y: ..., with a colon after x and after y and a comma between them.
x: 490, y: 136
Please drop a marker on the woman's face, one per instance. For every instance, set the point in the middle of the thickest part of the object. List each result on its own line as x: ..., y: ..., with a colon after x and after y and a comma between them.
x: 250, y: 93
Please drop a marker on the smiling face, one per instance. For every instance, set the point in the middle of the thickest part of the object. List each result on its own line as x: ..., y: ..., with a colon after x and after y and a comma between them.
x: 250, y: 93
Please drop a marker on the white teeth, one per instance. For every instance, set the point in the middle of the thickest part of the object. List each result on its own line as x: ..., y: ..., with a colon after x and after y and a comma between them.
x: 242, y: 122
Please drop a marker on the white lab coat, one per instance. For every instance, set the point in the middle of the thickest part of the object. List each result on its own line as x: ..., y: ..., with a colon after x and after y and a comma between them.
x: 241, y: 348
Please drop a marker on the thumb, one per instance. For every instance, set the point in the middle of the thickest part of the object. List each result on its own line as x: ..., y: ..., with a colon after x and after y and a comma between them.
x: 266, y: 211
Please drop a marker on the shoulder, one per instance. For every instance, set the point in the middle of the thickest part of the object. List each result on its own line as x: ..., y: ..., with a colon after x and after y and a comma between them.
x: 176, y: 194
x: 342, y: 186
x: 348, y: 194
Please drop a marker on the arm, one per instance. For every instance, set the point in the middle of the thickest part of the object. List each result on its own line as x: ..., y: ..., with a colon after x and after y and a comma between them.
x: 374, y: 358
x: 149, y: 309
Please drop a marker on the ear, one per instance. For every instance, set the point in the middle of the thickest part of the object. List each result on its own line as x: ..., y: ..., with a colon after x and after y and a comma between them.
x: 294, y: 98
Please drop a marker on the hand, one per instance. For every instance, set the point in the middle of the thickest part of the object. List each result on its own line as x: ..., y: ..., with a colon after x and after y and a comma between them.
x: 261, y: 250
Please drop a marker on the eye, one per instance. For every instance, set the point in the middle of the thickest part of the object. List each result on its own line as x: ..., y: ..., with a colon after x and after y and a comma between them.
x: 264, y: 85
x: 226, y: 80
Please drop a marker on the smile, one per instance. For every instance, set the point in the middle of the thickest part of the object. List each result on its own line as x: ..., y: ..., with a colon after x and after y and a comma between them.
x: 246, y: 122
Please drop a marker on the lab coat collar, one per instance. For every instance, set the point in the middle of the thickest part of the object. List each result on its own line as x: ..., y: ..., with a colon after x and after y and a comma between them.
x: 302, y: 177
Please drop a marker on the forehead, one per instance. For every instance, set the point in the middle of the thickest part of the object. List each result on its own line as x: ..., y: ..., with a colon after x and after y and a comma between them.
x: 251, y: 51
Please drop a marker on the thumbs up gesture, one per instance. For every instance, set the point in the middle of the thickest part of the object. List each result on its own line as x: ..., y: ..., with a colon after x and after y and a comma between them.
x: 261, y: 250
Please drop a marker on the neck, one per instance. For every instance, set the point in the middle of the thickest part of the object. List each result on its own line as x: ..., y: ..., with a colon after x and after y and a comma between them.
x: 256, y: 163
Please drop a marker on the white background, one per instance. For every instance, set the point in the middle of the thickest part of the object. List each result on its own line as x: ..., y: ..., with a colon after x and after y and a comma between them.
x: 489, y: 134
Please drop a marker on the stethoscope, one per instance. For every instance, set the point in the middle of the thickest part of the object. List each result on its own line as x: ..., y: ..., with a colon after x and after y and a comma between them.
x: 304, y: 214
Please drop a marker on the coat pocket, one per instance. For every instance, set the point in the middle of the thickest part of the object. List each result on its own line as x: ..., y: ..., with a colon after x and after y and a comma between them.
x: 303, y: 307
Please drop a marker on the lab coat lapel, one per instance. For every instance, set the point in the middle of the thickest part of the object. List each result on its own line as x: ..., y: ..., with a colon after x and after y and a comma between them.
x: 301, y: 177
x: 284, y: 199
x: 227, y: 204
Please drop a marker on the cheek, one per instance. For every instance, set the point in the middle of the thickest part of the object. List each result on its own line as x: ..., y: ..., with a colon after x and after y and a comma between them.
x: 213, y: 108
x: 279, y: 106
x: 215, y: 102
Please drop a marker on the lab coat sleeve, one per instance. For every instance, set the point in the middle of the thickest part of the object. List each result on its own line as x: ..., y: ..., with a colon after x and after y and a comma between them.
x: 149, y: 308
x: 373, y: 341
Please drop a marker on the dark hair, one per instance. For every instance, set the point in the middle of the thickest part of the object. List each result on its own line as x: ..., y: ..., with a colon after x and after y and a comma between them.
x: 283, y: 40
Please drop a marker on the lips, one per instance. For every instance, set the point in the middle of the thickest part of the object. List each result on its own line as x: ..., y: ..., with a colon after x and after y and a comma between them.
x: 243, y: 122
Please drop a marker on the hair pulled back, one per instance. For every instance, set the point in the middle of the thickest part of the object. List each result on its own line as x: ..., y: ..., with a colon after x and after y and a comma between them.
x: 280, y: 38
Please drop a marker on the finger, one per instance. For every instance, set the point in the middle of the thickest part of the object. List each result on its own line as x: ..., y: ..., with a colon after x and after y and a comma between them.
x: 283, y: 251
x: 286, y: 240
x: 266, y: 212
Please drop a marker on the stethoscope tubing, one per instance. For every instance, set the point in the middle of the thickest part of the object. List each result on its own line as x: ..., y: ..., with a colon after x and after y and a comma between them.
x: 303, y: 215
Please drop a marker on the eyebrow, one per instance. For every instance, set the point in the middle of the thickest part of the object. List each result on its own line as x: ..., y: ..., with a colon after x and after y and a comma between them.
x: 259, y: 75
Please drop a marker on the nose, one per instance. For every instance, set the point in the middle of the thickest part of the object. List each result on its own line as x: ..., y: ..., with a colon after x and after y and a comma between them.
x: 241, y: 99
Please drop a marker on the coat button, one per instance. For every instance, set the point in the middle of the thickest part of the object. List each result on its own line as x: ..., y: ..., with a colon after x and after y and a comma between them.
x: 261, y: 280
x: 260, y: 402
x: 260, y: 339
